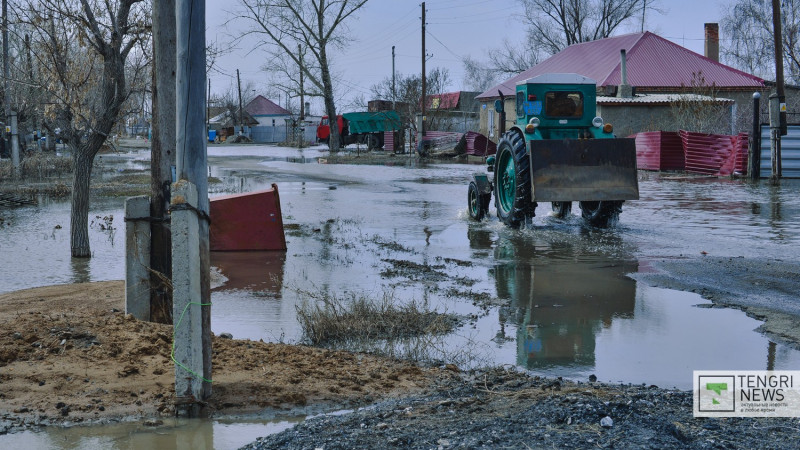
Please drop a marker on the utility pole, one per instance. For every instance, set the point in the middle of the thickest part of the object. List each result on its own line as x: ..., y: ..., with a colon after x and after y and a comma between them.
x: 778, y: 39
x: 394, y: 96
x: 241, y: 111
x: 644, y: 9
x: 11, y: 122
x: 162, y: 159
x: 30, y: 88
x: 422, y: 122
x: 302, y: 97
x: 190, y: 224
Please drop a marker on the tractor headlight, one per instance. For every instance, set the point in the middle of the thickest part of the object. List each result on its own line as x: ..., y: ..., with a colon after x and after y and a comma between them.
x: 532, y: 125
x: 597, y: 122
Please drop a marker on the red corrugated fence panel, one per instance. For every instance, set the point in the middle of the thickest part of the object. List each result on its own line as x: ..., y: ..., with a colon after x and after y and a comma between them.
x: 479, y: 145
x: 672, y: 157
x: 388, y: 141
x: 659, y: 150
x: 714, y: 154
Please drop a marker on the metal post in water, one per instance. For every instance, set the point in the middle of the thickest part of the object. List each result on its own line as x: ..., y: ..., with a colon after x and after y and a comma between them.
x: 754, y: 158
x: 774, y: 134
x: 137, y: 257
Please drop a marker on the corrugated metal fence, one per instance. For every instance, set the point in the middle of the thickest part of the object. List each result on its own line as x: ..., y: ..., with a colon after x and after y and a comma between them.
x: 790, y: 153
x: 274, y: 135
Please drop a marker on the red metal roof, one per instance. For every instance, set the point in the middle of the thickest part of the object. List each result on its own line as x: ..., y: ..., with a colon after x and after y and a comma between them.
x: 652, y: 62
x: 261, y: 106
x: 443, y: 101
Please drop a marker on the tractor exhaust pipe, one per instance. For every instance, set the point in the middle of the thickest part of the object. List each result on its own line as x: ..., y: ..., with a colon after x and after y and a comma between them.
x: 502, y: 113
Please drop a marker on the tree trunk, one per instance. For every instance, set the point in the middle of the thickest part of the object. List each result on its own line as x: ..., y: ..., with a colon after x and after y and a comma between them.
x: 162, y: 158
x: 79, y: 215
x: 330, y: 107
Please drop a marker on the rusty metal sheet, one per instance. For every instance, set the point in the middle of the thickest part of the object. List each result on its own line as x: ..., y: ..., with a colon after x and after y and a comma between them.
x: 659, y: 150
x: 583, y: 170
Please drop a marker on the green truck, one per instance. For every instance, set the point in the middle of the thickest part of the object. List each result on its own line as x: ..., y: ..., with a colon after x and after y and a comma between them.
x: 558, y: 151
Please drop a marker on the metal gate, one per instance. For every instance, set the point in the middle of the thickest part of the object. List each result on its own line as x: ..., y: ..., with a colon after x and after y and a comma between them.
x: 790, y: 153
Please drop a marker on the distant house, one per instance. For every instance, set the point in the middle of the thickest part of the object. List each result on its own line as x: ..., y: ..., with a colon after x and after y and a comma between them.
x: 452, y: 111
x: 266, y: 112
x: 657, y: 69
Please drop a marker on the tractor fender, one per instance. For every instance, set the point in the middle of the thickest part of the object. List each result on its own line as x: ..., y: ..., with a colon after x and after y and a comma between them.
x: 484, y: 185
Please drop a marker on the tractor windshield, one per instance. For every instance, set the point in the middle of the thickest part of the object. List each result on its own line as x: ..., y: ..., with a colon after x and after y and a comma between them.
x: 564, y: 104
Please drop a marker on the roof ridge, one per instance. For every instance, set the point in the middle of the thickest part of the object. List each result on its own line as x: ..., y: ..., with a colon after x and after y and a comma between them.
x: 717, y: 63
x: 627, y: 51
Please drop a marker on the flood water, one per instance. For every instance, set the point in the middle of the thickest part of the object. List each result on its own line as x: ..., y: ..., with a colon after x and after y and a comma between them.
x: 568, y: 307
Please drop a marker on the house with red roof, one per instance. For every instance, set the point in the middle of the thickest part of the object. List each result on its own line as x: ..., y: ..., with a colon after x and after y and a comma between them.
x: 660, y: 73
x: 267, y: 112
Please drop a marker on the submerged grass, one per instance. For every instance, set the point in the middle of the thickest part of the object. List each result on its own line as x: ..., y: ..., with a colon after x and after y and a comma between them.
x: 332, y: 319
x: 37, y: 165
x: 385, y: 326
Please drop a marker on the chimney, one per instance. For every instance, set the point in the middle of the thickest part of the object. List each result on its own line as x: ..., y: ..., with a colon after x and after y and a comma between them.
x: 712, y: 41
x: 625, y: 90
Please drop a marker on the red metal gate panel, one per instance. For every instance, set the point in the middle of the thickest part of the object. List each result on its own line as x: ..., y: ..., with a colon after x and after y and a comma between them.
x: 659, y: 150
x: 249, y: 221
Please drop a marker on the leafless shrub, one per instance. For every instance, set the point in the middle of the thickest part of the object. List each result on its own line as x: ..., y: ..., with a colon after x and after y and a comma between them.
x: 332, y: 319
x: 700, y: 109
x: 38, y: 165
x: 383, y: 326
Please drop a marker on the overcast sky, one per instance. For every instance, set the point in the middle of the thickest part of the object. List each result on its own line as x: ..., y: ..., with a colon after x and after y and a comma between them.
x: 455, y: 28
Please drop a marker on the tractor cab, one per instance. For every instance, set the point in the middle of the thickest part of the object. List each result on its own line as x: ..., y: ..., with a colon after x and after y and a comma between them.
x: 559, y: 106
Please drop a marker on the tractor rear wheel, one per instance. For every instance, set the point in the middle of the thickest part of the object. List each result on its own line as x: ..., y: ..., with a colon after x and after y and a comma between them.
x: 477, y: 203
x: 601, y: 214
x: 513, y: 181
x: 561, y: 209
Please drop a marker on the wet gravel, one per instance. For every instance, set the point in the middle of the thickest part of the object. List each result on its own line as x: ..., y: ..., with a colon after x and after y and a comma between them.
x: 502, y: 408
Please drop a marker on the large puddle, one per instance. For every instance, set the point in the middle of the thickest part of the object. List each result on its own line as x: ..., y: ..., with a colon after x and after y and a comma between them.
x: 569, y: 308
x: 177, y: 434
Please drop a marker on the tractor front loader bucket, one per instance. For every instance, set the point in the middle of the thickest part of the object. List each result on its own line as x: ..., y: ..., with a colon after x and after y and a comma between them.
x: 583, y: 170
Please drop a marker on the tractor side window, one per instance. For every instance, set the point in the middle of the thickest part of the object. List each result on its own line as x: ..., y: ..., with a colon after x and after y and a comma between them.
x: 325, y: 121
x: 564, y: 104
x: 520, y: 100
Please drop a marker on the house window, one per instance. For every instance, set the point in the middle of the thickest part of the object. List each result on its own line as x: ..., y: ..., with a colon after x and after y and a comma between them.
x: 491, y: 122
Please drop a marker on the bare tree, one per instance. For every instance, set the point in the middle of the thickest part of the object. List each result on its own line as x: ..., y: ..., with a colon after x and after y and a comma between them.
x: 284, y: 74
x: 317, y: 25
x: 504, y: 62
x: 699, y: 108
x: 553, y: 25
x: 87, y: 51
x: 409, y: 91
x: 748, y: 28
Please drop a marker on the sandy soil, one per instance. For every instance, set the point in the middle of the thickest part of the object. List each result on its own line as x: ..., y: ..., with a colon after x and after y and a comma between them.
x: 69, y: 353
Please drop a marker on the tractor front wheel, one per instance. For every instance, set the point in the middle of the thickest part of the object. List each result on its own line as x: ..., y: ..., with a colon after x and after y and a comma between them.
x: 513, y: 181
x: 601, y: 214
x: 477, y: 203
x: 561, y: 209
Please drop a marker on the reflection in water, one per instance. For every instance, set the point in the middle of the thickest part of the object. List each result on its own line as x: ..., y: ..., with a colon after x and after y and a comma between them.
x: 174, y: 434
x: 561, y: 298
x: 260, y: 271
x: 81, y: 270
